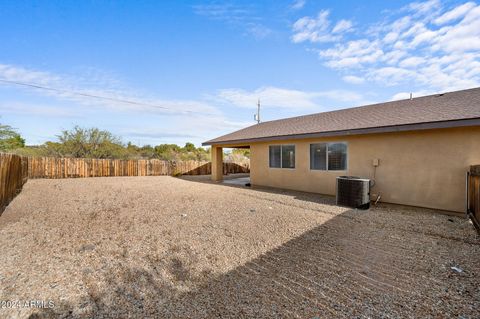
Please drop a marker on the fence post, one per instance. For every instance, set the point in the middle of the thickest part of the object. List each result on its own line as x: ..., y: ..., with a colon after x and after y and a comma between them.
x: 13, y: 174
x: 473, y: 195
x: 50, y: 167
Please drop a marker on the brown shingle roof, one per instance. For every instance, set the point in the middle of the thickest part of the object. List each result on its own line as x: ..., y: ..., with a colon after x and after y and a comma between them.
x: 459, y: 108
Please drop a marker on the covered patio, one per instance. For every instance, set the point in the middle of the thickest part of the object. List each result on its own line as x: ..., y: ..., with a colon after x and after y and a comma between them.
x: 217, y: 161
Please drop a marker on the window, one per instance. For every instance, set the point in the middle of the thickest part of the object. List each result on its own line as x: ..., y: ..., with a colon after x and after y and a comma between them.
x: 318, y: 156
x: 328, y: 156
x: 337, y: 156
x: 282, y: 156
x: 275, y: 155
x: 288, y: 156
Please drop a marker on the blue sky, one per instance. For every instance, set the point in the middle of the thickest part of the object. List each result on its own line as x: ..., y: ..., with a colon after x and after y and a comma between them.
x: 194, y: 70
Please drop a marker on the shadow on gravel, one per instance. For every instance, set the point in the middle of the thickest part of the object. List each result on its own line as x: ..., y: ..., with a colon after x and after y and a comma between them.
x: 347, y: 266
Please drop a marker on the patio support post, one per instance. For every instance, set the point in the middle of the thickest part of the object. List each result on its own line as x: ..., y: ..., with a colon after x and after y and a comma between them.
x: 217, y: 163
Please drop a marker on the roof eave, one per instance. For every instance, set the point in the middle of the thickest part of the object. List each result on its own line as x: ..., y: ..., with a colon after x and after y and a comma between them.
x: 370, y: 130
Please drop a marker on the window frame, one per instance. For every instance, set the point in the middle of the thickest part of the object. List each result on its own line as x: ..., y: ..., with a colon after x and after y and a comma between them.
x: 326, y: 159
x: 281, y: 156
x: 269, y: 154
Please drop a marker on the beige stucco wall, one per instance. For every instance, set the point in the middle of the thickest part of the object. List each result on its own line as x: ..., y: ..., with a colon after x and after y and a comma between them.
x: 421, y: 168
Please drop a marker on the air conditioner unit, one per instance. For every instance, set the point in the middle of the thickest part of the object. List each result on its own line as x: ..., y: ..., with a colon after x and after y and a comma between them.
x: 353, y: 192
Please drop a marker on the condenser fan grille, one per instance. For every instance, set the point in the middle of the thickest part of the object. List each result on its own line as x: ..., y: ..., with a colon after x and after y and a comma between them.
x: 353, y: 192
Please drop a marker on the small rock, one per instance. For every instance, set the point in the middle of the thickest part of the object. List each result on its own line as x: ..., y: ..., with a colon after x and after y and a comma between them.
x: 184, y: 215
x: 87, y: 247
x: 252, y: 210
x: 87, y: 271
x: 457, y: 269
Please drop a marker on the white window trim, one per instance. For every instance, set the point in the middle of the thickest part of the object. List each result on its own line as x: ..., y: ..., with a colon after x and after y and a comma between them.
x: 281, y: 156
x: 326, y: 160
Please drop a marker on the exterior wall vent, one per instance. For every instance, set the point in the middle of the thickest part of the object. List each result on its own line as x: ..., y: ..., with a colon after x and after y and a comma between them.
x: 353, y: 192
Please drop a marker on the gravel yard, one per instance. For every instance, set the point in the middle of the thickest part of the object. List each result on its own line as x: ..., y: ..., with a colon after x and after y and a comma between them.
x: 164, y: 247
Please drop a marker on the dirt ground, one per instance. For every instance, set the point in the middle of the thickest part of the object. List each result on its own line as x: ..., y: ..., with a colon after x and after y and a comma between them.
x: 164, y: 247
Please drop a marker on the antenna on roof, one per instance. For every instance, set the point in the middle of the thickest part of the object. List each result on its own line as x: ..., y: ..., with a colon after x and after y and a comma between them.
x: 411, y: 96
x: 257, y: 116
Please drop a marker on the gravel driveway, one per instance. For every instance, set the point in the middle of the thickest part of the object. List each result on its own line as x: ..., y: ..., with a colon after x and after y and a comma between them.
x: 164, y: 247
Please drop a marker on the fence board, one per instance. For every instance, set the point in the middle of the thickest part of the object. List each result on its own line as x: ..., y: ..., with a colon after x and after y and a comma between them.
x: 15, y: 170
x: 50, y: 167
x: 13, y: 174
x: 474, y: 195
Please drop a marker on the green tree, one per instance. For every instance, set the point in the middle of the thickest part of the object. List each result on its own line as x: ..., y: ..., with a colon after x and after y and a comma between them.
x: 95, y: 143
x: 242, y: 151
x: 10, y: 139
x: 167, y: 152
x: 189, y: 147
x: 202, y: 154
x: 147, y: 151
x: 90, y: 143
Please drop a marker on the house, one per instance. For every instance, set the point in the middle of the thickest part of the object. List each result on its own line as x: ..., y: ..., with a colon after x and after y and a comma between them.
x: 417, y: 150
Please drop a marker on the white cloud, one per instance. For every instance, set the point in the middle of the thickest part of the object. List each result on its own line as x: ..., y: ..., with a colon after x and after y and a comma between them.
x: 353, y: 79
x: 69, y: 88
x: 393, y: 56
x: 224, y: 12
x: 352, y: 54
x: 269, y: 96
x: 415, y: 29
x: 412, y: 62
x: 341, y: 95
x: 390, y: 37
x: 20, y: 74
x: 313, y: 29
x: 243, y: 17
x: 298, y: 4
x: 454, y: 14
x: 167, y: 134
x: 401, y: 24
x: 38, y: 110
x: 274, y: 97
x: 197, y: 118
x: 406, y: 95
x: 461, y: 37
x: 390, y: 76
x: 421, y: 8
x: 259, y: 31
x: 343, y: 26
x: 318, y: 29
x: 423, y: 44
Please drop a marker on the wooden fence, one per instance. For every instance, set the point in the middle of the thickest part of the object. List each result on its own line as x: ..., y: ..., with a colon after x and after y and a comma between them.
x: 50, y: 167
x: 13, y: 174
x: 473, y: 197
x: 15, y: 170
